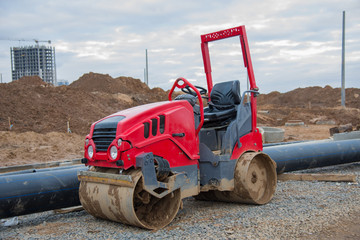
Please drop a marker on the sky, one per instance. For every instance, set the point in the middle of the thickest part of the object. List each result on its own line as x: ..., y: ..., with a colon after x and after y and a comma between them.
x: 292, y: 43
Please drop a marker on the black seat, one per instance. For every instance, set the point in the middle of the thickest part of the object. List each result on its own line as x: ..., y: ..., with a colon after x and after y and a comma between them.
x: 224, y: 98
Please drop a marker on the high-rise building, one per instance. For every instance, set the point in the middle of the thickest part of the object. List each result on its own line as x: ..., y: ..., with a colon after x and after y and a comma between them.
x: 33, y: 61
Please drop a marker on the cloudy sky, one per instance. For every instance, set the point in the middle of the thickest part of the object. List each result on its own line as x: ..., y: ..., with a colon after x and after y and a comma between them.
x: 293, y: 43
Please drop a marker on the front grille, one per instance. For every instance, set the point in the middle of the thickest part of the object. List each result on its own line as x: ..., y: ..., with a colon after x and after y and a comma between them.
x: 103, y: 137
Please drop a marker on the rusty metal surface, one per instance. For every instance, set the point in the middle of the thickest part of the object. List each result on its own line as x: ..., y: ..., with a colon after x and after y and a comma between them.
x: 129, y: 205
x: 255, y: 181
x: 106, y: 178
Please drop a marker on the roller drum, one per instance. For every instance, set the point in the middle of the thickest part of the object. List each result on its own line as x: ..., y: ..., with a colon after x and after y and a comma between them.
x: 129, y: 205
x: 254, y: 181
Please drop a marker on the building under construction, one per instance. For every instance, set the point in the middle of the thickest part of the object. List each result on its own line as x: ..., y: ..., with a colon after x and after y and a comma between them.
x: 33, y: 61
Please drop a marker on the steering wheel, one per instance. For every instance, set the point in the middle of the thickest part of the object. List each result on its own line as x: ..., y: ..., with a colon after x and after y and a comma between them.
x: 182, y: 83
x: 189, y: 90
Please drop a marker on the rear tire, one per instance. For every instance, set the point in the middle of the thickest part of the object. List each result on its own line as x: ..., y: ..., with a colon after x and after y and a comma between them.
x: 254, y: 181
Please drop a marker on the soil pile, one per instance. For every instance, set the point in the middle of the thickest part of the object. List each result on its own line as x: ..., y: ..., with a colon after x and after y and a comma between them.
x: 92, y: 82
x: 104, y: 83
x: 312, y: 105
x: 31, y: 147
x: 313, y: 97
x: 33, y: 105
x: 29, y: 81
x: 96, y: 82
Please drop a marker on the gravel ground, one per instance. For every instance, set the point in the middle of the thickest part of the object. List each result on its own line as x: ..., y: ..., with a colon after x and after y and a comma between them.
x: 299, y: 210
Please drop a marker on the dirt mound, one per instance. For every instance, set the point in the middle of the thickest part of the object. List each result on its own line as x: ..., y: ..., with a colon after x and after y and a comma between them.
x: 313, y: 97
x: 93, y: 82
x: 40, y: 109
x: 30, y: 147
x: 33, y: 105
x: 132, y: 85
x: 104, y: 83
x: 30, y: 81
x: 278, y: 116
x: 310, y: 105
x: 96, y: 82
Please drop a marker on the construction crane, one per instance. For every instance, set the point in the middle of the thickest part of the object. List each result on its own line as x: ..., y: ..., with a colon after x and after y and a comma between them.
x: 27, y: 40
x: 37, y: 41
x: 39, y: 49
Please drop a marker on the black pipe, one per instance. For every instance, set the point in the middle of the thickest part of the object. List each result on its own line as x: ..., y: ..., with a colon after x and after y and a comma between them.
x: 281, y: 143
x: 53, y: 188
x: 300, y: 156
x: 35, y: 170
x: 40, y: 191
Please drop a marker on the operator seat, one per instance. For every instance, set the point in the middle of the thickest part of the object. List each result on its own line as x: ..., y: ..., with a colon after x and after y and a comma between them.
x: 224, y: 99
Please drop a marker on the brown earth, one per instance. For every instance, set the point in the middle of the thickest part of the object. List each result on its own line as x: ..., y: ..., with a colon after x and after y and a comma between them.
x: 31, y: 147
x: 310, y: 105
x: 316, y: 96
x: 344, y: 229
x: 32, y: 105
x: 39, y: 113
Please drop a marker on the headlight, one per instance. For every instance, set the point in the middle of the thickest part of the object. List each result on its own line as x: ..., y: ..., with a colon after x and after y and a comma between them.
x: 113, y: 152
x: 119, y: 142
x: 90, y: 151
x: 86, y: 141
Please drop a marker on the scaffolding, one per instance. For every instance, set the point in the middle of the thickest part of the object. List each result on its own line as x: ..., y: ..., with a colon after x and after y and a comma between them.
x: 34, y: 61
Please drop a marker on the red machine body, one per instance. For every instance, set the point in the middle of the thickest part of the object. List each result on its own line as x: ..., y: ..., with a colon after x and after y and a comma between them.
x: 253, y: 140
x: 148, y: 158
x: 160, y: 140
x: 232, y: 32
x: 179, y: 119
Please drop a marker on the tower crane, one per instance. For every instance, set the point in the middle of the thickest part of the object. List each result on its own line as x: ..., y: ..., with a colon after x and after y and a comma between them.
x: 37, y: 41
x: 28, y: 40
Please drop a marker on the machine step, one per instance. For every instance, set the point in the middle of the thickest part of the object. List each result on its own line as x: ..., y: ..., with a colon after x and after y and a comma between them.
x: 106, y: 178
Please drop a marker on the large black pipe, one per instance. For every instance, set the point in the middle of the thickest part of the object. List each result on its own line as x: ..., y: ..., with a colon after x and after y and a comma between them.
x: 299, y: 156
x: 23, y: 193
x: 40, y: 191
x: 281, y: 143
x: 34, y: 170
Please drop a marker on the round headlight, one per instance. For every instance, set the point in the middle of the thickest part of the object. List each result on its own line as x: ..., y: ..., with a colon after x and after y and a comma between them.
x: 113, y: 152
x: 119, y: 142
x: 86, y: 141
x: 90, y: 151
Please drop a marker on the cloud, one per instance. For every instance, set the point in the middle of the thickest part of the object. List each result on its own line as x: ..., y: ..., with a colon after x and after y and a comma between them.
x: 292, y: 43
